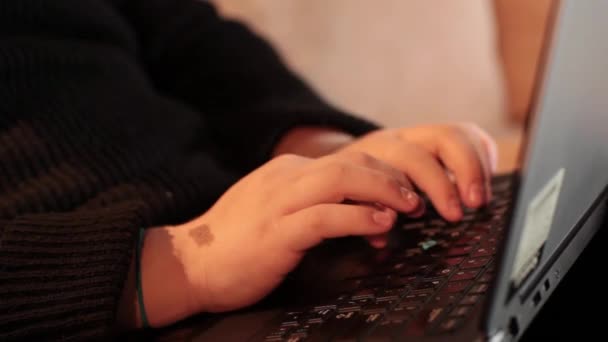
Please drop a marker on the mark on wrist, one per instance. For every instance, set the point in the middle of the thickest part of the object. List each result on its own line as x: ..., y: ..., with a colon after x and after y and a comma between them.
x: 202, y: 235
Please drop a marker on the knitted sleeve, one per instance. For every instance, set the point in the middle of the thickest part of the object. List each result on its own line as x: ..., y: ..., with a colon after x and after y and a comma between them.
x: 230, y: 75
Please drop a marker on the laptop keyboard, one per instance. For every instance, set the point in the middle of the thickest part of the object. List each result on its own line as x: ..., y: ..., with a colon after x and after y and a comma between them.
x: 430, y: 288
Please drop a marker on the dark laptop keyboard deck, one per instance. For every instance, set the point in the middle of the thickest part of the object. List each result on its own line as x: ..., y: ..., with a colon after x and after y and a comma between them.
x: 430, y: 288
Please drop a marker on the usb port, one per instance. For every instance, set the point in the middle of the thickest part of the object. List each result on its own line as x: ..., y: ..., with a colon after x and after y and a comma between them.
x: 537, y: 298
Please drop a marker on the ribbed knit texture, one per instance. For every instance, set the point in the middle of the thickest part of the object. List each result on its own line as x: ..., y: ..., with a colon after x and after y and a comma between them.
x: 116, y: 115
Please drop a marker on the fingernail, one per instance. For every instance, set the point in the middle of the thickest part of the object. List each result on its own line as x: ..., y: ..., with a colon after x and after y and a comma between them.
x: 419, y: 211
x: 379, y: 243
x: 410, y: 197
x: 383, y: 218
x: 489, y: 195
x: 455, y: 206
x: 476, y: 193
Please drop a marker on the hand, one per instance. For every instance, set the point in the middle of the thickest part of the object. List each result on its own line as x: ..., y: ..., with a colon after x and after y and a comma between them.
x: 431, y: 155
x: 257, y: 232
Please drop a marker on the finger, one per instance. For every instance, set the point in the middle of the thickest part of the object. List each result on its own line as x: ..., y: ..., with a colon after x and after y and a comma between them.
x: 308, y: 227
x: 488, y: 150
x: 430, y: 176
x: 378, y: 241
x: 456, y: 149
x: 364, y: 159
x: 337, y: 181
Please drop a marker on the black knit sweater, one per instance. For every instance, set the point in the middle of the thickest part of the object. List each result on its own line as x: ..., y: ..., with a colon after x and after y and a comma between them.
x: 116, y: 115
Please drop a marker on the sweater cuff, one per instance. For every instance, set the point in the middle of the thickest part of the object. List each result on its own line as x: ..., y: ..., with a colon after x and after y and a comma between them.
x: 64, y: 272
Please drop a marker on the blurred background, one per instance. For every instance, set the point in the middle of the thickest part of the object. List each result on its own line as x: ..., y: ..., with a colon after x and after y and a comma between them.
x: 405, y: 62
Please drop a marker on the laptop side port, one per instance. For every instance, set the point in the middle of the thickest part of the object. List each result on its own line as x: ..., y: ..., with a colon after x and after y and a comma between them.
x: 537, y: 298
x: 513, y: 326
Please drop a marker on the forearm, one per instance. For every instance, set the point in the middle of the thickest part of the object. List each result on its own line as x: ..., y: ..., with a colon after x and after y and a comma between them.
x: 312, y: 142
x: 521, y: 27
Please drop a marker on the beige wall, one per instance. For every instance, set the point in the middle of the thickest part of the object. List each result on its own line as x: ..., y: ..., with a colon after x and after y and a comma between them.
x: 399, y: 62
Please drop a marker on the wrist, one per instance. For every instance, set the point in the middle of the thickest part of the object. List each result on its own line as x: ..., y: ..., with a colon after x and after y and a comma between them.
x: 312, y: 142
x: 165, y: 288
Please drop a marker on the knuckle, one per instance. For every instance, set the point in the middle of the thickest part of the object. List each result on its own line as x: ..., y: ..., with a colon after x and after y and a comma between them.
x: 388, y: 182
x: 359, y: 157
x: 453, y: 131
x: 471, y: 126
x: 315, y: 219
x: 336, y: 171
x: 286, y: 159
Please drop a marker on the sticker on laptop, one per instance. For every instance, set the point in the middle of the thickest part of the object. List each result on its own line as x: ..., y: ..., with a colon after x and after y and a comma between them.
x: 537, y: 227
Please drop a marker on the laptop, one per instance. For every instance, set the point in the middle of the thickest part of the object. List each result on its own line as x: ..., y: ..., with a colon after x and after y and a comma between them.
x: 482, y: 279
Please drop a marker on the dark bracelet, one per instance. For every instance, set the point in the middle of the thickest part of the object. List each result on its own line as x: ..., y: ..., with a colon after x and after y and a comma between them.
x: 140, y: 295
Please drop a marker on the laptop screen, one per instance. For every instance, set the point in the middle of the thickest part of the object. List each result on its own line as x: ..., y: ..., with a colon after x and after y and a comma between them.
x: 564, y: 164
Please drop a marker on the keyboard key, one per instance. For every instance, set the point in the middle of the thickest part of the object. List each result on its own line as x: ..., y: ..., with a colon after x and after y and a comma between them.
x: 407, y: 306
x: 476, y: 262
x: 468, y: 217
x: 399, y: 316
x: 457, y: 286
x: 363, y: 294
x: 438, y: 223
x: 454, y: 261
x: 470, y: 300
x: 442, y: 272
x: 432, y: 315
x: 290, y: 323
x: 349, y: 307
x: 459, y: 251
x: 467, y: 241
x: 430, y: 232
x: 428, y: 285
x: 413, y: 226
x: 486, y: 278
x: 389, y: 295
x: 482, y: 227
x: 400, y: 282
x: 363, y: 302
x: 490, y: 242
x: 484, y: 251
x: 450, y: 324
x: 362, y: 325
x: 417, y: 297
x: 444, y: 299
x: 465, y: 275
x: 335, y: 326
x: 479, y: 288
x: 375, y: 308
x: 413, y: 270
x: 385, y: 330
x: 461, y: 311
x: 278, y: 335
x: 318, y: 317
x: 453, y: 234
x: 324, y: 307
x: 301, y: 333
x: 344, y: 297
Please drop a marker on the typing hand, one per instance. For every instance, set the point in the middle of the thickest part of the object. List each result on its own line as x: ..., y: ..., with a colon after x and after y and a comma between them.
x: 258, y: 231
x: 430, y: 155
